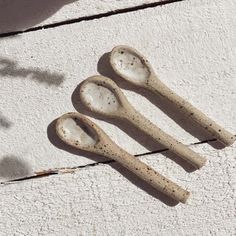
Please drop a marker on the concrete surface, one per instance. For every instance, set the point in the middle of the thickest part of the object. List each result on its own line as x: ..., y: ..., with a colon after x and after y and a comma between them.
x: 40, y: 71
x: 191, y: 44
x: 20, y: 15
x: 100, y: 200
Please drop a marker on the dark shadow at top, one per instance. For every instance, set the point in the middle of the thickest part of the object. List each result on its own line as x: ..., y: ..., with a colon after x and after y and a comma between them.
x: 13, y: 168
x: 4, y: 122
x: 104, y: 68
x: 11, y: 69
x: 57, y: 142
x: 17, y: 15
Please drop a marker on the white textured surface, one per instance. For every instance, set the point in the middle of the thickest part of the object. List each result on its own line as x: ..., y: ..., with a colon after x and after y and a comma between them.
x: 190, y: 45
x: 100, y: 201
x: 18, y: 15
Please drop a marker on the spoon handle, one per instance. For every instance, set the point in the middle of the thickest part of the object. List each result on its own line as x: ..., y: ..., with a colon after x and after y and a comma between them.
x: 165, y: 139
x: 148, y: 174
x: 157, y: 87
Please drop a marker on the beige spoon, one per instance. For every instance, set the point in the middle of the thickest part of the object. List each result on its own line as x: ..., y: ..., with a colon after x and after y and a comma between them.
x: 129, y: 64
x: 102, y: 96
x: 78, y: 131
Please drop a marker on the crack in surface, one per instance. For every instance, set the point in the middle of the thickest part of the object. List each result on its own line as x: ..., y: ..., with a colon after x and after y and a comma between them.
x: 91, y: 17
x: 65, y: 170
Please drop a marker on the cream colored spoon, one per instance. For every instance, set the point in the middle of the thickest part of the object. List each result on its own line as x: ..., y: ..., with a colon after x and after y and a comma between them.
x: 79, y: 132
x: 129, y: 64
x: 102, y: 96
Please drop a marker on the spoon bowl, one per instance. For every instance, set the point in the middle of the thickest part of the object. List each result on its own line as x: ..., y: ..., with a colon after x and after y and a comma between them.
x: 76, y: 131
x: 101, y: 95
x: 128, y: 63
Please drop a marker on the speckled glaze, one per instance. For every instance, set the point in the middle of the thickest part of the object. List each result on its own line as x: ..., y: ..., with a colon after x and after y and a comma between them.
x: 152, y: 83
x: 126, y: 112
x: 103, y: 145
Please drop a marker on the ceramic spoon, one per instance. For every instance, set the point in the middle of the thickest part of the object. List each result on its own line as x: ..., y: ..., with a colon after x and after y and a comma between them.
x: 78, y: 131
x: 130, y: 65
x: 102, y: 96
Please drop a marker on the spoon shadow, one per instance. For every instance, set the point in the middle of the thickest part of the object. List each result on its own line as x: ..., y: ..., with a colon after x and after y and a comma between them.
x: 57, y: 142
x: 104, y: 68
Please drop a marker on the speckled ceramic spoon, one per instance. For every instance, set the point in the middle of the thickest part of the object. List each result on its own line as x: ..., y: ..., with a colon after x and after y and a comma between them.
x: 102, y: 96
x: 130, y: 65
x: 79, y: 132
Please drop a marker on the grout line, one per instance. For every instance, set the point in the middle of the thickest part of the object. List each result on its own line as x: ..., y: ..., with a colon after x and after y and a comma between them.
x: 56, y: 171
x: 92, y: 17
x: 166, y: 149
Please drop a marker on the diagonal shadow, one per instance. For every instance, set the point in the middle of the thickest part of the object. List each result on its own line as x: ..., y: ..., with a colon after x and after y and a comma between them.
x: 57, y: 142
x: 11, y: 69
x: 104, y: 68
x: 5, y: 122
x: 17, y: 15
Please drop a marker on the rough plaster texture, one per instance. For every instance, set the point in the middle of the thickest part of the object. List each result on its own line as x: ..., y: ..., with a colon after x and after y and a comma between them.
x: 18, y: 15
x: 190, y: 45
x: 100, y: 200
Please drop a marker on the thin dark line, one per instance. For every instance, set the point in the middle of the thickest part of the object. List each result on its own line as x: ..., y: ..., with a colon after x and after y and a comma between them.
x: 166, y: 149
x: 60, y: 170
x: 92, y: 17
x: 33, y: 177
